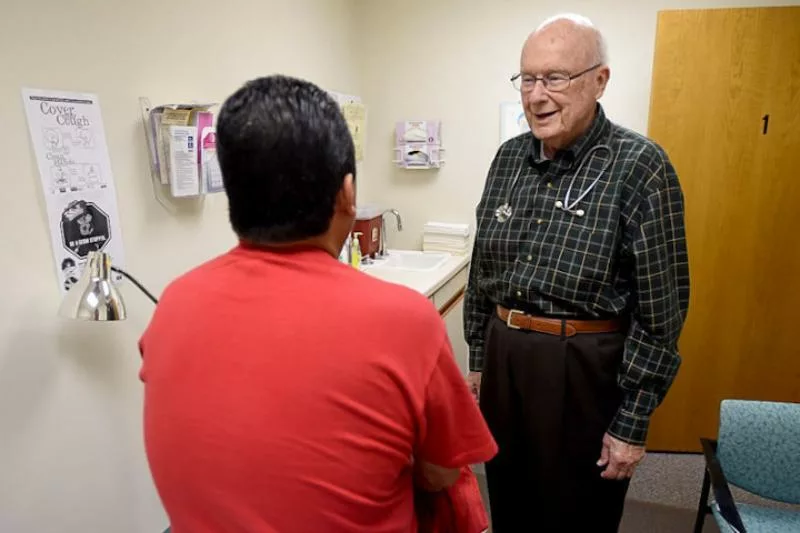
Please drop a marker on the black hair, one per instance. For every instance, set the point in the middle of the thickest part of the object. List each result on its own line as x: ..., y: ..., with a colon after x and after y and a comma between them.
x: 284, y: 149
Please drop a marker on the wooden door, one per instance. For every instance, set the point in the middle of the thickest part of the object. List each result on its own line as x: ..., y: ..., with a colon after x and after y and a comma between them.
x: 726, y: 107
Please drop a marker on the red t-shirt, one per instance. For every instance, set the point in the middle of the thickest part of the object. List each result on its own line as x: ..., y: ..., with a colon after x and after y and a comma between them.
x: 287, y: 392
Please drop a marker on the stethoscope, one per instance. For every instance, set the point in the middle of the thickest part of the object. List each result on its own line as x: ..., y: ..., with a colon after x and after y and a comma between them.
x: 505, y: 211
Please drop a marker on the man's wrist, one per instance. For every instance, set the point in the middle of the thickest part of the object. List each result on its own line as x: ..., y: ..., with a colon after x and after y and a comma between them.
x: 629, y: 427
x: 475, y: 358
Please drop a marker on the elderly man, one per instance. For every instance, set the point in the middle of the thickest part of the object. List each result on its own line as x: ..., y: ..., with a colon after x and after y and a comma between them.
x: 578, y: 291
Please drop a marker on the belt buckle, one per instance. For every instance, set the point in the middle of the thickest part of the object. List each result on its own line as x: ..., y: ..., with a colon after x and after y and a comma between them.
x: 510, y: 316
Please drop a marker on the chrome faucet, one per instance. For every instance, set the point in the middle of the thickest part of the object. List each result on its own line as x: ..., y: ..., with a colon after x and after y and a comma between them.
x: 382, y: 246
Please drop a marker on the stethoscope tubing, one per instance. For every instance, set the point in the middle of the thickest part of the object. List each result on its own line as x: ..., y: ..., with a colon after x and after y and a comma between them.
x: 505, y: 211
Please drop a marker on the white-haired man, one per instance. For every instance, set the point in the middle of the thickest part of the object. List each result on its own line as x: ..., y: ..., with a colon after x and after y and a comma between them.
x: 578, y: 292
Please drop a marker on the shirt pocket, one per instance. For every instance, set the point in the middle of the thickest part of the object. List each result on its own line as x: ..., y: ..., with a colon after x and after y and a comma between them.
x: 583, y: 256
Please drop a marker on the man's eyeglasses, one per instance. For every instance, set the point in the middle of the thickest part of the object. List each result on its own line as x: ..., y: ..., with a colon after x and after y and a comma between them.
x: 555, y: 81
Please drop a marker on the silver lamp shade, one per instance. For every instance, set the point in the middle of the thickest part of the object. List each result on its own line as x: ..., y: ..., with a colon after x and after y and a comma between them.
x: 94, y: 297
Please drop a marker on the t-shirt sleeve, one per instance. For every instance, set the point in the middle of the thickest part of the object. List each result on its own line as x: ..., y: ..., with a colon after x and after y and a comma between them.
x: 454, y: 433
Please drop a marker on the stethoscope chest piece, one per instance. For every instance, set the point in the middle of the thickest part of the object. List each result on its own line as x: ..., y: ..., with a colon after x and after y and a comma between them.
x: 503, y: 212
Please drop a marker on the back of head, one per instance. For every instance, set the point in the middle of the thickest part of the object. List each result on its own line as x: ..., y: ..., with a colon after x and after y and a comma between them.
x: 284, y: 150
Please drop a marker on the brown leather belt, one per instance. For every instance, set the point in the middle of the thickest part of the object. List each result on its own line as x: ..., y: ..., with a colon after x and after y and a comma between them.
x: 554, y: 326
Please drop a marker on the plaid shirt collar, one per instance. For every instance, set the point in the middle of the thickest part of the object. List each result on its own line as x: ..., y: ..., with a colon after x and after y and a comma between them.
x: 599, y: 128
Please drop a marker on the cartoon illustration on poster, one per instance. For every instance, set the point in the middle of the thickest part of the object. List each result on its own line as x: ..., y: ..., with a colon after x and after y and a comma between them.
x: 69, y: 141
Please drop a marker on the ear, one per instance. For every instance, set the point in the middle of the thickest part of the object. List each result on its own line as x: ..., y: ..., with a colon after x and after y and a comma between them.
x: 601, y: 80
x: 346, y: 199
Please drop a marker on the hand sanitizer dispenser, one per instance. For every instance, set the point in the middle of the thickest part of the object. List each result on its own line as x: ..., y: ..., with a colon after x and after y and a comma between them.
x: 355, y: 251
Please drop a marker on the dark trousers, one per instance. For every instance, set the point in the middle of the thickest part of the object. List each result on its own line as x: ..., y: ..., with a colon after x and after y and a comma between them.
x: 548, y: 401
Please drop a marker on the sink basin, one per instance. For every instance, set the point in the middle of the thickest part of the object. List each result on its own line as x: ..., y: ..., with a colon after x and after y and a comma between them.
x: 409, y: 260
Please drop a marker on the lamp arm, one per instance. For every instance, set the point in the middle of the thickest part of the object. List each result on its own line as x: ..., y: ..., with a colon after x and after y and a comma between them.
x: 135, y: 282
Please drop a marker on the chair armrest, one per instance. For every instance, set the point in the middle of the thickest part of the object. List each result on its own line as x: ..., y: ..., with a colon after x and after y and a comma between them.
x: 722, y: 492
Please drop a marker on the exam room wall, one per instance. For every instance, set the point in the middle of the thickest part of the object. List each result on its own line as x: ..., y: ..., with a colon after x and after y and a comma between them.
x: 451, y: 60
x: 71, y: 452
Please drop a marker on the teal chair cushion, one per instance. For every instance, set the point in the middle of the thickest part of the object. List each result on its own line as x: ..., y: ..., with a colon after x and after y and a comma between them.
x: 759, y: 448
x: 757, y: 519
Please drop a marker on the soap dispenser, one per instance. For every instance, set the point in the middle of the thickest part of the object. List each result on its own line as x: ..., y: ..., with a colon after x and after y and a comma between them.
x: 355, y: 251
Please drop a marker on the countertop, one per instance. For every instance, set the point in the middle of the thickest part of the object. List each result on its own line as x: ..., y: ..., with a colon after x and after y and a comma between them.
x: 426, y: 282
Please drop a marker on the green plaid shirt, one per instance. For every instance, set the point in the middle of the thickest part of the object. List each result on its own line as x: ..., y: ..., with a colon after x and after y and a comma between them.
x: 626, y: 257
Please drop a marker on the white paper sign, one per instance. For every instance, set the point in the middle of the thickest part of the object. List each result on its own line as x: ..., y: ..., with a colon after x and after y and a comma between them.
x: 184, y: 176
x: 70, y: 145
x: 512, y: 121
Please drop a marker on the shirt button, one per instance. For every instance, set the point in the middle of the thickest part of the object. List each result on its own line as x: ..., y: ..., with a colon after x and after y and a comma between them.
x: 549, y: 184
x: 530, y: 258
x: 540, y: 221
x: 519, y: 294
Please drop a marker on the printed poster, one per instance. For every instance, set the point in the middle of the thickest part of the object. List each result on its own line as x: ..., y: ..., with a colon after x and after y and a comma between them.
x: 70, y: 146
x: 355, y: 114
x: 512, y: 121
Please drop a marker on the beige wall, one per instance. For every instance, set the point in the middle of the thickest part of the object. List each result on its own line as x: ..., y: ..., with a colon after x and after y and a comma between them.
x: 71, y: 454
x: 451, y: 60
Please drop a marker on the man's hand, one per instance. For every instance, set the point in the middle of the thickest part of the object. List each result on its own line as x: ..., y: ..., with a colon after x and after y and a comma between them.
x: 433, y: 478
x: 474, y: 384
x: 619, y: 458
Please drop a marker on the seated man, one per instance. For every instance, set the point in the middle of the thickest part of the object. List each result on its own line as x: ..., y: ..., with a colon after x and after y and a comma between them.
x: 284, y: 390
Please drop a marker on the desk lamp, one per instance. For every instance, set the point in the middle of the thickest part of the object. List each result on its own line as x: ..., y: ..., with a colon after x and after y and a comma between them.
x: 94, y: 297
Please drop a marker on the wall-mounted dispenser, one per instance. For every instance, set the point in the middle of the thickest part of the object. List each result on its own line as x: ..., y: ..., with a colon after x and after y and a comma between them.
x: 418, y: 144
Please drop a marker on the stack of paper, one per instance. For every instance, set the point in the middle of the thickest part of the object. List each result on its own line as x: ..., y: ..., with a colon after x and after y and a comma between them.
x: 446, y: 237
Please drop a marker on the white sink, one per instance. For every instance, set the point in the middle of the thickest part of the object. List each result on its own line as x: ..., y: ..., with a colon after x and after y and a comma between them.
x: 409, y: 260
